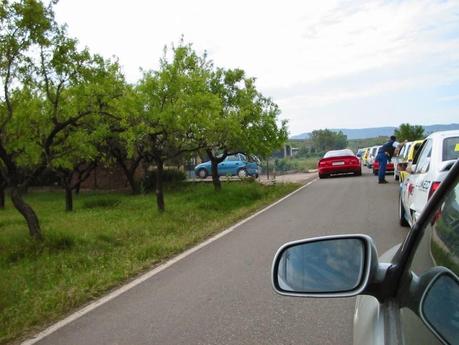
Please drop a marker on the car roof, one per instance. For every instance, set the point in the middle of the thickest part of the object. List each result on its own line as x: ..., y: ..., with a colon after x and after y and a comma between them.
x: 444, y: 134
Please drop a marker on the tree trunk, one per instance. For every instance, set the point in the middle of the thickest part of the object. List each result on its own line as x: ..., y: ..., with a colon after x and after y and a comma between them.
x: 159, y: 185
x: 27, y: 212
x: 2, y: 197
x: 129, y: 173
x: 133, y: 183
x: 68, y: 199
x: 215, y: 178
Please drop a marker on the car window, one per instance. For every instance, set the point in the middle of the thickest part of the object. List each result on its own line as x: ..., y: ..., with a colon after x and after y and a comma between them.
x: 402, y: 150
x: 407, y: 153
x: 424, y: 158
x: 232, y: 158
x: 339, y: 153
x: 450, y: 148
x: 415, y: 148
x: 439, y: 246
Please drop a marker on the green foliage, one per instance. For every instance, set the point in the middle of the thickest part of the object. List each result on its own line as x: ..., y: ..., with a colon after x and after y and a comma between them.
x: 246, y: 122
x: 324, y: 140
x: 356, y: 144
x: 86, y: 253
x: 409, y: 132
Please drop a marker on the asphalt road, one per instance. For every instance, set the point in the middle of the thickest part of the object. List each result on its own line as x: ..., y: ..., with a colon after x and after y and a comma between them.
x: 222, y: 293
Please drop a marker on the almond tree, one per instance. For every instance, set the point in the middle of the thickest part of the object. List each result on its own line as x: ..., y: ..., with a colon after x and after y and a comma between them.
x: 49, y: 88
x: 246, y: 121
x: 170, y: 105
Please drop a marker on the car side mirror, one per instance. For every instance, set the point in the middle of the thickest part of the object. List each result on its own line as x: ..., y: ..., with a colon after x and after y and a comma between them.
x: 331, y: 266
x: 439, y: 307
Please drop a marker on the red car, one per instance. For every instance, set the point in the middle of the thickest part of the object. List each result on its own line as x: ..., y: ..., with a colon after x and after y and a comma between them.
x: 339, y: 162
x: 389, y: 167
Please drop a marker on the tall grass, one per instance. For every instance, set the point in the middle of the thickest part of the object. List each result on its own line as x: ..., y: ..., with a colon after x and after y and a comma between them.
x: 106, y: 240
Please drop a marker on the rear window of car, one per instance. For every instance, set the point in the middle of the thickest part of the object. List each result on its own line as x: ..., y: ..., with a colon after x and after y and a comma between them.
x: 450, y: 148
x: 338, y: 153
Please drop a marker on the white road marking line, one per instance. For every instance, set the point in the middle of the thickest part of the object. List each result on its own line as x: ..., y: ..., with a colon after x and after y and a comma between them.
x: 76, y: 315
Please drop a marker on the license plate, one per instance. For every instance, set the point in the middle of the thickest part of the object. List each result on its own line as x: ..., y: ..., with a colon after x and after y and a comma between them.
x: 338, y: 163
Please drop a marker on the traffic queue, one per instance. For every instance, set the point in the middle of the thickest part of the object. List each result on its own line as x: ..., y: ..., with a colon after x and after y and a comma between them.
x: 420, y: 166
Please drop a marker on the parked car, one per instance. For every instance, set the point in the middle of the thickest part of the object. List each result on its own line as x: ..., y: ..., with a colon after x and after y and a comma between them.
x: 389, y: 167
x: 339, y: 162
x: 405, y: 157
x: 435, y: 157
x: 372, y: 155
x: 360, y: 153
x: 233, y: 165
x: 365, y: 156
x: 409, y: 296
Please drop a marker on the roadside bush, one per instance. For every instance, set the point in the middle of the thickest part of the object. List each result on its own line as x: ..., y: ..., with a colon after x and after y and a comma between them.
x: 170, y: 177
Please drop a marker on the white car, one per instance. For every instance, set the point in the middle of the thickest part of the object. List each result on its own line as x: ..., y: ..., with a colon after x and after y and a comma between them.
x: 372, y: 155
x: 431, y: 164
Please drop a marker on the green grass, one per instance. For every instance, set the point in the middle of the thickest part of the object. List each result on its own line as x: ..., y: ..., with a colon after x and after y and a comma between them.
x: 106, y: 240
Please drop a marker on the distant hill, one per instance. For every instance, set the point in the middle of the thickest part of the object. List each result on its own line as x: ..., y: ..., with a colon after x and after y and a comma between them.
x: 365, y: 133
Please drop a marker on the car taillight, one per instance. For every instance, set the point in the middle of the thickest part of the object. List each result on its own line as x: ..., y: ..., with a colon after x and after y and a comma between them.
x: 321, y: 163
x: 433, y: 187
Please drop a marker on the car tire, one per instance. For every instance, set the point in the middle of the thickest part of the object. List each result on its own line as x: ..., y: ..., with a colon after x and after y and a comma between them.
x: 401, y: 213
x: 242, y: 173
x: 202, y: 173
x: 358, y: 173
x: 323, y: 175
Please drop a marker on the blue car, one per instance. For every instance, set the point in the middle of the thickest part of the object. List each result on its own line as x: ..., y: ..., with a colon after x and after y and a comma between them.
x: 233, y: 165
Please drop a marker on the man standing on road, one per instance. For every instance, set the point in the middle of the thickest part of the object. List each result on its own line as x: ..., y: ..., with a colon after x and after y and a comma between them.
x: 384, y: 155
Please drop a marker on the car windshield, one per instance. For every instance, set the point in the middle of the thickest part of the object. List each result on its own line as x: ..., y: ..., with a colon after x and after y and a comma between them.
x: 450, y: 148
x: 338, y: 153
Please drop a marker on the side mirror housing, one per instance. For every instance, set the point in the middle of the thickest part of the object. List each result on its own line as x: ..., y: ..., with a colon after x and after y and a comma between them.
x: 330, y: 266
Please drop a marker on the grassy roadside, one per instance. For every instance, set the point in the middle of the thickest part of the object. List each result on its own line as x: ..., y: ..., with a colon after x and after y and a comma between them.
x: 109, y: 238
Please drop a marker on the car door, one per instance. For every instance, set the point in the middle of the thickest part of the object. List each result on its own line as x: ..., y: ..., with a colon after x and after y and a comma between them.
x: 437, y: 251
x: 224, y: 168
x: 419, y: 195
x: 407, y: 185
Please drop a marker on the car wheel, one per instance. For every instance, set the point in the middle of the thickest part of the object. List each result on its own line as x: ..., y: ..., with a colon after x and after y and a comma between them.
x: 323, y: 175
x: 401, y: 213
x: 242, y: 173
x: 202, y: 173
x: 358, y: 173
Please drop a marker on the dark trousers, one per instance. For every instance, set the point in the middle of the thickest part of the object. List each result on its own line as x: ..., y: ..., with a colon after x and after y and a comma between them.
x: 382, y: 159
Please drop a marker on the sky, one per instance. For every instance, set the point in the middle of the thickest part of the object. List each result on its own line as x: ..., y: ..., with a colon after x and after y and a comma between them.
x: 327, y: 64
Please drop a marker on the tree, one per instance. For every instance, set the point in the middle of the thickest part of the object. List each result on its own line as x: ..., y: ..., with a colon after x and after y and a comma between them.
x: 324, y: 140
x: 115, y: 149
x: 409, y: 132
x: 246, y: 121
x: 168, y: 107
x: 49, y: 88
x: 2, y: 191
